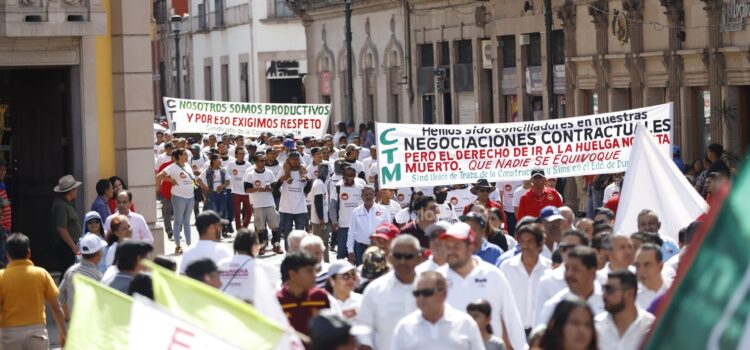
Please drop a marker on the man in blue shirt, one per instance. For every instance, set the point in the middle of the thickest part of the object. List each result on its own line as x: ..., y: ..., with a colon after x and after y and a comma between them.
x: 104, y: 192
x: 488, y: 252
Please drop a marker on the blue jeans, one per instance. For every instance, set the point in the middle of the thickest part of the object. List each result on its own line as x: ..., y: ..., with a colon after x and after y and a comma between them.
x: 229, y: 213
x: 343, y: 233
x: 595, y: 199
x: 217, y: 201
x: 359, y: 250
x: 183, y: 209
x: 285, y: 224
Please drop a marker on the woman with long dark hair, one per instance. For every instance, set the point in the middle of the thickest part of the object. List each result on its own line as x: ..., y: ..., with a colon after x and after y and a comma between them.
x: 481, y: 310
x: 118, y: 184
x: 183, y: 197
x: 571, y: 327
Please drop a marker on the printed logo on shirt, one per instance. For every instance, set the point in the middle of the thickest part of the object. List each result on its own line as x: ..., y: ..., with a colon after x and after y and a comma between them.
x: 182, y: 175
x: 454, y: 201
x: 550, y: 197
x: 257, y: 183
x: 400, y: 197
x: 508, y: 188
x: 481, y: 282
x: 195, y: 167
x: 344, y: 196
x: 235, y: 172
x: 615, y: 193
x: 349, y: 314
x: 377, y: 213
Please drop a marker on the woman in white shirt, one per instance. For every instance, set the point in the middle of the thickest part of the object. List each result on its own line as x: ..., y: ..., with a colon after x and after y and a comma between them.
x: 183, y: 198
x: 341, y: 283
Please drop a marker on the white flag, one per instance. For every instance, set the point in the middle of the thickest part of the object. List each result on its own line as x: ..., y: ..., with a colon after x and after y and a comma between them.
x: 151, y: 327
x: 652, y: 181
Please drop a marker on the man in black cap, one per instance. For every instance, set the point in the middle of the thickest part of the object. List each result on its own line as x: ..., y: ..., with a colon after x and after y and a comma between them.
x: 210, y: 226
x: 538, y: 197
x: 329, y: 331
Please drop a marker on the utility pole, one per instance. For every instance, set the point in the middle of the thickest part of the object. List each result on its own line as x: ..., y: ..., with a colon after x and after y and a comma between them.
x: 550, y: 61
x: 175, y: 22
x: 349, y: 73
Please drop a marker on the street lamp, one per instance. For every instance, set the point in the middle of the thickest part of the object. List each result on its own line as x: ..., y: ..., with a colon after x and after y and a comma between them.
x: 349, y: 77
x: 175, y: 23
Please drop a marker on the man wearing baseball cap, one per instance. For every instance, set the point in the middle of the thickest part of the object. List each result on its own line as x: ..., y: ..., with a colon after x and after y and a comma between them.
x: 91, y: 247
x: 469, y: 278
x: 553, y: 223
x: 538, y: 197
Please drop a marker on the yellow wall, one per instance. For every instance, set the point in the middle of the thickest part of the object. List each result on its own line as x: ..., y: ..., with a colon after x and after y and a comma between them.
x: 104, y: 107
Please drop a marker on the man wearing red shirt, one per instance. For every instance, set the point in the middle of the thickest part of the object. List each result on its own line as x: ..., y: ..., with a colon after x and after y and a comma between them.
x: 538, y: 197
x: 164, y: 189
x: 482, y: 190
x: 299, y: 298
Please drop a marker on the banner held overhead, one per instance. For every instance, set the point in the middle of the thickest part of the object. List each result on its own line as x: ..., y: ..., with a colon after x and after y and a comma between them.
x: 249, y: 119
x: 430, y: 155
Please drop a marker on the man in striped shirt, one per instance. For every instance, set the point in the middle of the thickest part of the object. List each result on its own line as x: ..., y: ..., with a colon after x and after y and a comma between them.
x: 90, y: 247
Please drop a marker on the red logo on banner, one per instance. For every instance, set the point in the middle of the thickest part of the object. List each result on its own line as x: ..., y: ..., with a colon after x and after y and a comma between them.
x: 344, y: 196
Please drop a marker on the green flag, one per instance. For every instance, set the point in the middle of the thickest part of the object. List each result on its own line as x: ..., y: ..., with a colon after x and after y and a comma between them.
x: 710, y: 306
x: 101, y: 317
x: 233, y: 320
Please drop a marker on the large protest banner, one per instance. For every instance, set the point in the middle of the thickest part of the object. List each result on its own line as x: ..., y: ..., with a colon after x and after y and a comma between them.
x: 430, y: 155
x: 249, y: 119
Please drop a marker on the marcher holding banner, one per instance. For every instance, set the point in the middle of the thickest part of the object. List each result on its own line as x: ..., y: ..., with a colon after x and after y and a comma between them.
x: 414, y: 155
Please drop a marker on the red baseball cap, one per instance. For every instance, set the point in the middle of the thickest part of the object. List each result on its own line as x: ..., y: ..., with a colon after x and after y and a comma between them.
x: 461, y: 231
x: 386, y: 231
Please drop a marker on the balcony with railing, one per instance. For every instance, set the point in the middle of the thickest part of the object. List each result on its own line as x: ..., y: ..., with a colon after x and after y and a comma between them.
x: 41, y: 18
x: 218, y: 19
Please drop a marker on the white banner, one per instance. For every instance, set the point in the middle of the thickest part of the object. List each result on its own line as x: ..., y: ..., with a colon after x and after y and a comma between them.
x: 249, y: 119
x: 652, y: 181
x: 154, y: 328
x: 429, y: 155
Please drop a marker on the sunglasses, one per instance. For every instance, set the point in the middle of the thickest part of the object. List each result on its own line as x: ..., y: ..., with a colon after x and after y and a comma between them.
x: 427, y: 292
x: 403, y: 256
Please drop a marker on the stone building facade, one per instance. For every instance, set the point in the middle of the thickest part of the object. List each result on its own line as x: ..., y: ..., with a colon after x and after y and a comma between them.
x: 485, y: 61
x: 74, y: 99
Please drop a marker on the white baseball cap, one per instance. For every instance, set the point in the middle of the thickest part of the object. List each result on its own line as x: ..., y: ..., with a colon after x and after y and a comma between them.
x: 91, y: 244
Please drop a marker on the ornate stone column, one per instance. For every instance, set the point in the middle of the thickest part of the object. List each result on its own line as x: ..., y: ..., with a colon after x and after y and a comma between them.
x: 567, y: 15
x: 675, y: 12
x: 599, y: 10
x: 715, y: 67
x: 634, y: 13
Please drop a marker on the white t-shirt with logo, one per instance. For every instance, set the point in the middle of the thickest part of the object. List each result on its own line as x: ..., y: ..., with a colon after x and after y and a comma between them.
x: 292, y: 195
x: 182, y: 180
x: 460, y: 198
x: 240, y: 273
x: 403, y: 197
x: 318, y: 188
x: 260, y: 180
x: 349, y: 198
x: 236, y: 174
x: 198, y: 164
x: 216, y: 178
x: 508, y: 191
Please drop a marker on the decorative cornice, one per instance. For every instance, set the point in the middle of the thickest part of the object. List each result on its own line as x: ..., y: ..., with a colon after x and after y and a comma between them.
x: 567, y: 15
x: 599, y: 11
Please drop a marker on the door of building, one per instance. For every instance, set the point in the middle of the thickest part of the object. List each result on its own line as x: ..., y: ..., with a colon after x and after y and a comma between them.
x: 36, y: 146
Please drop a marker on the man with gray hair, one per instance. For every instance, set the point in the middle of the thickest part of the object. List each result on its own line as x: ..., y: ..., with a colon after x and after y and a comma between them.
x: 364, y: 220
x: 294, y: 240
x: 314, y: 246
x: 389, y: 298
x: 436, y: 325
x: 648, y: 221
x: 621, y: 254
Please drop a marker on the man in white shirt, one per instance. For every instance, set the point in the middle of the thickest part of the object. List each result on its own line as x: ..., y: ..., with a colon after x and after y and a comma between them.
x: 524, y: 271
x: 460, y: 196
x: 580, y: 275
x: 389, y: 298
x: 436, y: 325
x: 164, y: 156
x: 613, y: 188
x: 620, y: 250
x: 507, y: 194
x: 385, y: 200
x: 365, y: 218
x: 241, y: 205
x: 345, y: 196
x: 341, y: 127
x: 469, y: 278
x: 554, y: 280
x: 319, y: 204
x: 624, y: 324
x: 209, y: 225
x: 258, y: 184
x: 437, y: 249
x: 648, y: 269
x: 294, y: 184
x: 314, y: 246
x: 518, y: 194
x: 138, y: 224
x: 648, y: 221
